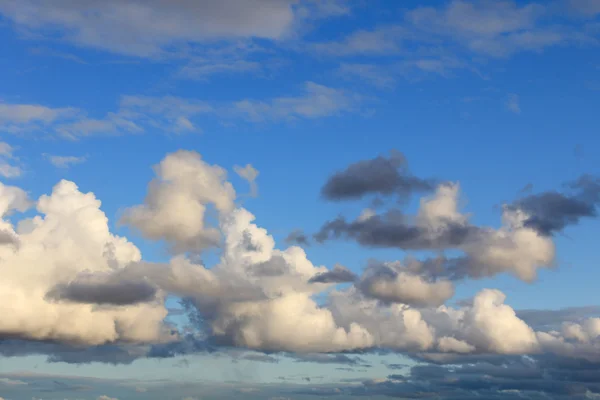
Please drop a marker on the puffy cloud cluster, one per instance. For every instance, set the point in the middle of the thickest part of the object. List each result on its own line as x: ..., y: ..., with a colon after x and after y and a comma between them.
x: 69, y: 237
x: 515, y: 247
x: 64, y: 265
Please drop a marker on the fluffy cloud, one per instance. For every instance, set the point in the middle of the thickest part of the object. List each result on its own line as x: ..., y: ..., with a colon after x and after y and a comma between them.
x: 392, y: 284
x: 64, y: 264
x: 516, y: 247
x: 177, y: 201
x: 70, y: 236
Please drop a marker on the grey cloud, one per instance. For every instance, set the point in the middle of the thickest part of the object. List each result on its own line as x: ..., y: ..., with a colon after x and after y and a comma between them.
x: 397, y: 366
x: 506, y: 377
x: 9, y: 238
x: 339, y: 274
x: 297, y: 237
x: 114, y: 27
x: 115, y: 292
x: 321, y: 358
x: 393, y: 230
x: 381, y: 175
x: 59, y: 352
x: 552, y: 319
x: 260, y: 358
x: 551, y: 212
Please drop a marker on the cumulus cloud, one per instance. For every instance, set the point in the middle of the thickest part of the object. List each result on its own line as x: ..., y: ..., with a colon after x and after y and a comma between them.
x: 437, y: 226
x: 515, y: 247
x: 67, y: 264
x: 175, y: 207
x: 70, y: 236
x: 390, y: 283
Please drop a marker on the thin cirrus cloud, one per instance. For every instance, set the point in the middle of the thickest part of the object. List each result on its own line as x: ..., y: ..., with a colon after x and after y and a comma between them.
x: 122, y: 26
x: 64, y: 161
x: 8, y: 169
x: 171, y: 114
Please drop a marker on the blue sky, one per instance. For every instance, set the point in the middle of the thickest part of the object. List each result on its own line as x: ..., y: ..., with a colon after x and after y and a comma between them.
x: 499, y: 97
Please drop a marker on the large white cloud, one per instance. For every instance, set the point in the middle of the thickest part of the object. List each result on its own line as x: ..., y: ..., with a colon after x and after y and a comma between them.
x: 63, y: 266
x: 69, y: 237
x: 177, y: 201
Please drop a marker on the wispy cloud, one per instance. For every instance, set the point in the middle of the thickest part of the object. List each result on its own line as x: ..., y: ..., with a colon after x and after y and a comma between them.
x: 317, y: 101
x: 7, y: 168
x: 122, y: 27
x: 170, y: 114
x: 23, y: 118
x: 64, y: 161
x: 513, y: 103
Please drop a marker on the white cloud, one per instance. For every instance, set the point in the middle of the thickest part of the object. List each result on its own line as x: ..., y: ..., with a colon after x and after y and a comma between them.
x: 122, y: 26
x: 22, y: 118
x: 69, y: 236
x: 177, y: 200
x: 317, y: 102
x: 393, y: 284
x: 513, y: 248
x: 256, y: 295
x: 64, y: 161
x: 461, y: 29
x: 7, y: 169
x: 170, y: 114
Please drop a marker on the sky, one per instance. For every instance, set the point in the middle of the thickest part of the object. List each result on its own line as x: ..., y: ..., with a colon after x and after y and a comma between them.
x: 299, y: 199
